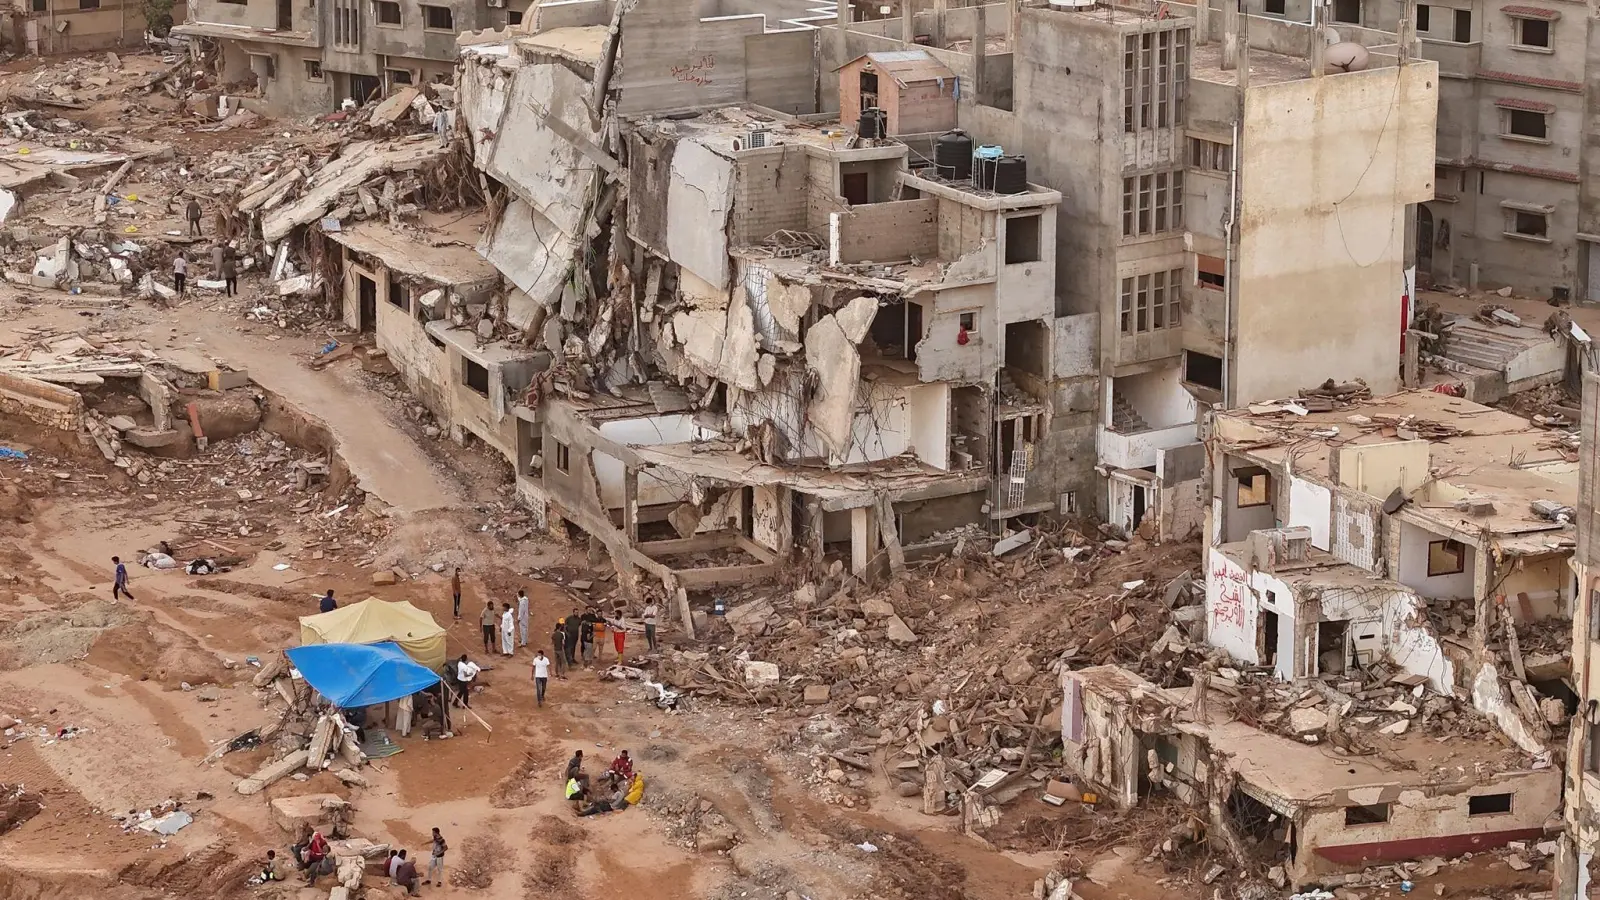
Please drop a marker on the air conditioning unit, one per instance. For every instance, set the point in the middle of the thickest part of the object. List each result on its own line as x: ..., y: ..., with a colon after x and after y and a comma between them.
x: 497, y: 4
x: 756, y: 138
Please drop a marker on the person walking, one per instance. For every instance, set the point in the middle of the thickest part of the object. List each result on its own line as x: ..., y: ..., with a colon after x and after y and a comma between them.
x: 455, y: 593
x: 436, y: 861
x: 327, y: 604
x: 651, y: 610
x: 541, y: 675
x: 180, y: 271
x: 522, y: 617
x: 230, y: 274
x: 558, y: 638
x: 508, y: 631
x: 120, y: 585
x: 487, y: 619
x: 192, y: 213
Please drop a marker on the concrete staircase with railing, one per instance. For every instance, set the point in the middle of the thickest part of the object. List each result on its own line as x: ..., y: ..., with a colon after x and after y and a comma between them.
x: 1124, y: 418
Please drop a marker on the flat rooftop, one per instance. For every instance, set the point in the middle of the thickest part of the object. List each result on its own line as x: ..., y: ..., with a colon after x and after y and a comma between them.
x: 440, y: 248
x: 1475, y: 451
x: 1265, y: 67
x: 718, y: 129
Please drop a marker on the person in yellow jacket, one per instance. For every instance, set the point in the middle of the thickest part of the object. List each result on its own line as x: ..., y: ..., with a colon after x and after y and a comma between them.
x: 635, y: 791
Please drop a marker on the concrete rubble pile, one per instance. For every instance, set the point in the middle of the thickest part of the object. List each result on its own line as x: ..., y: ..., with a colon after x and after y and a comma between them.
x: 302, y: 737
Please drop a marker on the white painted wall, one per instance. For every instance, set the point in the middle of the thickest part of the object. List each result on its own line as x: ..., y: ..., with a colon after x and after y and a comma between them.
x: 1234, y: 599
x: 891, y: 419
x: 653, y: 488
x: 1311, y: 505
x: 928, y: 413
x: 1157, y: 397
x: 1413, y: 567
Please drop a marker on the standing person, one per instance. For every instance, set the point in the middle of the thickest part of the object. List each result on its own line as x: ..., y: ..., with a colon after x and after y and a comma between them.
x: 651, y: 610
x: 522, y: 617
x: 120, y: 585
x: 436, y: 861
x: 465, y: 673
x: 619, y: 635
x: 455, y: 593
x: 558, y: 638
x: 541, y: 675
x: 180, y: 271
x: 586, y: 635
x: 192, y: 213
x: 328, y: 604
x: 574, y: 624
x: 230, y: 274
x: 487, y: 620
x: 508, y: 631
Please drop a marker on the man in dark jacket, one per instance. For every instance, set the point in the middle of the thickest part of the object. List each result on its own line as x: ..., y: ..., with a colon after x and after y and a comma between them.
x: 574, y: 626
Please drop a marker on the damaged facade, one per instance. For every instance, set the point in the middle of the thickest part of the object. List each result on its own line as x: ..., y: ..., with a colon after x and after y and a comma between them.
x: 1310, y: 813
x: 1420, y: 532
x: 1581, y: 841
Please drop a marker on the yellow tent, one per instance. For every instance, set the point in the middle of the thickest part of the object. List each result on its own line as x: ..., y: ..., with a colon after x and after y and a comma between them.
x: 373, y: 620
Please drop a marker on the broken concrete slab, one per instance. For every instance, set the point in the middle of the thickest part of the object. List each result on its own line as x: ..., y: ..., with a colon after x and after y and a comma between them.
x: 899, y: 631
x: 271, y: 773
x: 293, y: 814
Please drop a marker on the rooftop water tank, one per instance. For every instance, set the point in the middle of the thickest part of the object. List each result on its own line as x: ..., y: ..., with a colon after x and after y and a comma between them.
x: 952, y: 155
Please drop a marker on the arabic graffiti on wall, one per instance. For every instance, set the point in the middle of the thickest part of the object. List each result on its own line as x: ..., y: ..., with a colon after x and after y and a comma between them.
x: 697, y: 72
x: 1228, y: 610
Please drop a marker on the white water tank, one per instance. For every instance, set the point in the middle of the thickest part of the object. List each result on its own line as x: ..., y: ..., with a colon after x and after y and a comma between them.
x: 1072, y: 4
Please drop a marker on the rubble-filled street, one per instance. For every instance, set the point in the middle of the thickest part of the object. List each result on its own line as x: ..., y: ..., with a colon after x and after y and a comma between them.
x: 589, y: 458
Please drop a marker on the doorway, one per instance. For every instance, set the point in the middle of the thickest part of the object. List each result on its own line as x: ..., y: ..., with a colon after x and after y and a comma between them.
x: 869, y: 90
x: 364, y: 87
x: 1333, y: 651
x: 367, y: 291
x: 855, y: 187
x: 1267, y: 638
x: 285, y: 15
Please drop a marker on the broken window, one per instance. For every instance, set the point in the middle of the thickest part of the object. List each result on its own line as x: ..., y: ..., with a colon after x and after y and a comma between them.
x: 399, y: 76
x: 513, y: 17
x: 263, y: 64
x: 1373, y: 814
x: 1152, y: 203
x: 88, y: 4
x: 1155, y: 79
x: 563, y: 457
x: 313, y: 70
x: 1528, y: 224
x: 1149, y: 302
x: 438, y: 18
x: 1446, y: 557
x: 1202, y: 369
x: 1022, y: 239
x: 1210, y: 156
x: 1274, y: 7
x: 387, y: 12
x: 1532, y: 34
x: 1211, y: 272
x: 969, y: 323
x: 398, y: 295
x: 1524, y: 123
x: 1254, y: 488
x: 1488, y: 804
x: 1347, y: 11
x: 475, y: 376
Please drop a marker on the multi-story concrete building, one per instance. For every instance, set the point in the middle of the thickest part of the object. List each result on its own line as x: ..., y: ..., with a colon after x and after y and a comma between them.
x: 1581, y: 841
x: 1233, y: 222
x: 1514, y: 203
x: 73, y: 26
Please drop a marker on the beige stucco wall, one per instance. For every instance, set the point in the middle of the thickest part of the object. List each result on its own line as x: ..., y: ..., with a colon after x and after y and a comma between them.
x: 1329, y: 165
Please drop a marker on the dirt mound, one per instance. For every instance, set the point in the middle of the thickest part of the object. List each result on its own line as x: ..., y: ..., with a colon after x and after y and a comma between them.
x: 15, y: 505
x: 157, y: 654
x: 551, y: 873
x: 55, y: 637
x: 536, y: 774
x: 213, y: 873
x: 17, y: 806
x: 558, y: 833
x: 482, y: 857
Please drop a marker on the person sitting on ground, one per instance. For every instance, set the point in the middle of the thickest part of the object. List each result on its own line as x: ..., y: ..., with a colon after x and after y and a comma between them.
x: 311, y: 850
x: 328, y: 604
x: 406, y: 875
x: 617, y: 800
x: 623, y: 766
x: 576, y: 794
x: 272, y: 870
x: 394, y: 863
x: 635, y: 792
x: 323, y: 866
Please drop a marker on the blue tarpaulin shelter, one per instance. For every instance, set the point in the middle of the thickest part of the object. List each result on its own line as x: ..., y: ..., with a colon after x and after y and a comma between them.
x: 353, y: 675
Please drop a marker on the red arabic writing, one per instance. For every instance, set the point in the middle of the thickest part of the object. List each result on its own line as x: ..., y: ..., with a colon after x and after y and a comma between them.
x: 1229, y: 606
x: 697, y: 72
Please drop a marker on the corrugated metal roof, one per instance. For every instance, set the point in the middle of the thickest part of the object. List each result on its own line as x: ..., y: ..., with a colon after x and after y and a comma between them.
x: 907, y: 66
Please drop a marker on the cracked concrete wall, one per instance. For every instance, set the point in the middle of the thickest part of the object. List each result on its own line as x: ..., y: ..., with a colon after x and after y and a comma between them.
x: 771, y: 194
x: 890, y: 232
x: 781, y: 70
x: 531, y: 253
x: 42, y: 403
x: 832, y: 357
x: 699, y: 198
x: 940, y: 355
x: 715, y: 333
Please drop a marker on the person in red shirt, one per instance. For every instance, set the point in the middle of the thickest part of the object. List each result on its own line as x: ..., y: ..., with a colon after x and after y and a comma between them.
x: 623, y: 766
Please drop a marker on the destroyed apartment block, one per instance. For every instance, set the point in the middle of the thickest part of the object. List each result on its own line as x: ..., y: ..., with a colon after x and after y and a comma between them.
x: 1317, y: 814
x: 1417, y: 534
x: 1491, y: 355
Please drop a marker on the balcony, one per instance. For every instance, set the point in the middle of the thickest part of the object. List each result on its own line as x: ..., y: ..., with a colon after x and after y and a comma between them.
x: 1455, y: 60
x: 1137, y: 449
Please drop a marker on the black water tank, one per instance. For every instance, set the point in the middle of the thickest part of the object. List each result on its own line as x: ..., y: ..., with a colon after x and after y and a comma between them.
x: 952, y: 155
x: 1011, y: 175
x: 983, y: 176
x: 871, y: 123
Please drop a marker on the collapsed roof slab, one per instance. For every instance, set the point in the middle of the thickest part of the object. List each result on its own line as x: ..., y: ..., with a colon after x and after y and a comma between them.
x: 440, y: 250
x: 357, y: 164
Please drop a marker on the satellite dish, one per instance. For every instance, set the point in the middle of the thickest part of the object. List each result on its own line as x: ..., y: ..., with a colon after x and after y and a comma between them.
x: 1332, y: 37
x: 1346, y: 56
